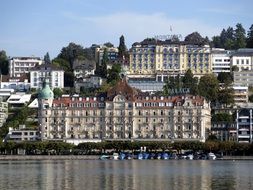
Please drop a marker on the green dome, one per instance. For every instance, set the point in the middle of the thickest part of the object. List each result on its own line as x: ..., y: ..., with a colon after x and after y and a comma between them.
x: 46, y: 92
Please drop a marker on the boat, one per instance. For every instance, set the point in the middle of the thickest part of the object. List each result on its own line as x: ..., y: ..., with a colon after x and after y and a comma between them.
x: 151, y: 156
x: 211, y: 156
x: 189, y: 157
x: 129, y: 156
x: 158, y: 156
x: 104, y: 157
x: 122, y: 156
x: 145, y: 155
x: 140, y: 156
x: 115, y: 156
x: 165, y: 156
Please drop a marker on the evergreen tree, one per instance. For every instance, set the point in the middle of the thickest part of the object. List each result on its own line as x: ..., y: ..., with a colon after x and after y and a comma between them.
x: 47, y: 58
x: 190, y: 82
x: 3, y: 63
x: 114, y: 74
x: 240, y: 38
x: 122, y: 47
x: 250, y: 37
x: 216, y: 42
x: 208, y: 87
x: 104, y: 62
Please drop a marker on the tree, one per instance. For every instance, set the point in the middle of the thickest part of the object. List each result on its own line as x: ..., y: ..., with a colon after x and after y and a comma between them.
x: 47, y: 58
x: 174, y: 82
x: 72, y: 52
x: 62, y: 63
x: 216, y: 42
x: 234, y: 68
x: 229, y: 38
x: 108, y: 44
x: 3, y: 63
x: 225, y: 78
x: 104, y: 62
x: 226, y: 96
x: 57, y: 92
x: 208, y: 87
x: 251, y: 98
x: 222, y: 118
x: 250, y: 37
x: 190, y: 82
x: 240, y: 38
x: 69, y: 79
x: 122, y: 47
x: 114, y: 74
x: 195, y: 38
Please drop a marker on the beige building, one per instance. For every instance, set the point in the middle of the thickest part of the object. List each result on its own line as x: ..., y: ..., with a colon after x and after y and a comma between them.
x: 152, y: 57
x: 123, y: 114
x: 199, y: 59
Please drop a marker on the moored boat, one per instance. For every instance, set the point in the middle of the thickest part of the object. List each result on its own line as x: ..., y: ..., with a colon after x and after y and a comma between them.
x: 211, y: 156
x: 115, y: 156
x: 104, y: 157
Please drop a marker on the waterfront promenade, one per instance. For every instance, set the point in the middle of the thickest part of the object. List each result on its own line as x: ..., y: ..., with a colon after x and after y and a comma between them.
x: 88, y: 157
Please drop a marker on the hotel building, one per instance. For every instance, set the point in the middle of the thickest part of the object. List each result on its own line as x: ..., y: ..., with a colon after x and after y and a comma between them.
x: 154, y: 57
x: 123, y: 114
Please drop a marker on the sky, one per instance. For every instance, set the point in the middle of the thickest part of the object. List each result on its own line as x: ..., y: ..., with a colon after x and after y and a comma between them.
x: 34, y: 27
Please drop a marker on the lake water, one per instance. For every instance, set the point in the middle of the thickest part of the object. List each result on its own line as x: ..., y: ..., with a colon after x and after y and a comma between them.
x: 126, y: 175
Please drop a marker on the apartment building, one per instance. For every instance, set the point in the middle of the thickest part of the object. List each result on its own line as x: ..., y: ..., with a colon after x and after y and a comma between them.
x: 123, y: 114
x: 20, y: 65
x: 111, y: 51
x: 220, y: 61
x: 50, y: 72
x: 244, y: 124
x: 244, y: 78
x: 240, y: 94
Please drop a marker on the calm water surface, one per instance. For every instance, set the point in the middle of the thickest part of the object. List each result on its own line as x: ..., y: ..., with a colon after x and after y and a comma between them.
x: 128, y: 174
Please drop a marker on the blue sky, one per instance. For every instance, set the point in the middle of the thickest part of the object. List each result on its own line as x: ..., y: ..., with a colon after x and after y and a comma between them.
x: 34, y: 27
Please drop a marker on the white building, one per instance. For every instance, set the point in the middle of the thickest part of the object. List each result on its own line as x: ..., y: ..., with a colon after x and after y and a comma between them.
x: 82, y: 71
x: 54, y: 75
x: 19, y: 100
x: 243, y: 59
x: 21, y: 65
x: 220, y: 61
x: 22, y: 134
x: 15, y: 83
x: 88, y: 82
x: 3, y: 111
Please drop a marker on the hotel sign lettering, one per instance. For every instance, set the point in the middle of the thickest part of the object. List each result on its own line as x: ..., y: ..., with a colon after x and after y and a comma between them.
x: 179, y: 91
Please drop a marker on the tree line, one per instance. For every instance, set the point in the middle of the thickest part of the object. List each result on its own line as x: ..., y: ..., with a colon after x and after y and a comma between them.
x: 62, y: 148
x: 207, y: 86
